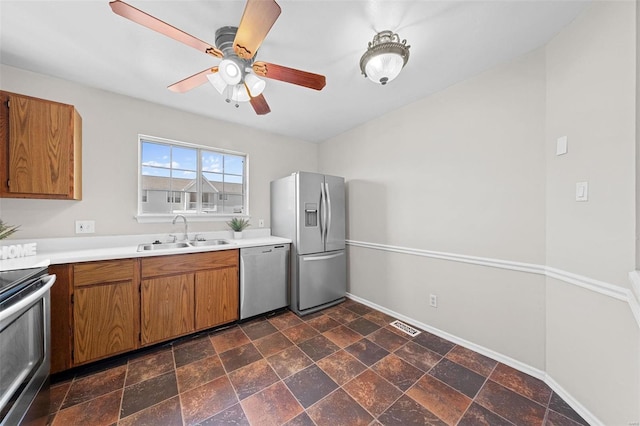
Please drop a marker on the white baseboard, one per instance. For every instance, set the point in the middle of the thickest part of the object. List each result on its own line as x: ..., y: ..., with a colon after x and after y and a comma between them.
x: 518, y: 365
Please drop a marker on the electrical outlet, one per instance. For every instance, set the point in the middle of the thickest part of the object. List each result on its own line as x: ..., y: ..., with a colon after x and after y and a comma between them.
x: 260, y: 223
x: 85, y: 226
x: 433, y: 300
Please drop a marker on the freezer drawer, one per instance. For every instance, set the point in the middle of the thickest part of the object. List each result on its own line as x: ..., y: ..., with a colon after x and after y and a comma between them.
x: 264, y: 279
x: 322, y: 278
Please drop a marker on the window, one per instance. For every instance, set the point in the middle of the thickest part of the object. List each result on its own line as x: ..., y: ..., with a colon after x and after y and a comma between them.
x: 177, y: 177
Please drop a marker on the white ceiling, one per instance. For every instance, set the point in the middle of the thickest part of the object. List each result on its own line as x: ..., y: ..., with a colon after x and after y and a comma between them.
x: 85, y: 42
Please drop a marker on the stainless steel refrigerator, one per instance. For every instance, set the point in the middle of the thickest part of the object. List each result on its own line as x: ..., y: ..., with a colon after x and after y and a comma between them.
x: 309, y: 209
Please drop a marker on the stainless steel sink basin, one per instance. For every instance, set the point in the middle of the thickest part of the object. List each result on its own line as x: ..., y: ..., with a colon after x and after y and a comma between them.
x: 170, y: 246
x: 205, y: 243
x: 162, y: 246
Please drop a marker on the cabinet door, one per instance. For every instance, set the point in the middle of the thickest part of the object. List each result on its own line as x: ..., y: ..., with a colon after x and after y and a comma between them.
x: 216, y: 294
x: 167, y: 307
x: 104, y: 320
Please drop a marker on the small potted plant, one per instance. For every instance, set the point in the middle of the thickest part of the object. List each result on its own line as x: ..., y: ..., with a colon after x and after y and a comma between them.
x: 238, y: 224
x: 7, y: 230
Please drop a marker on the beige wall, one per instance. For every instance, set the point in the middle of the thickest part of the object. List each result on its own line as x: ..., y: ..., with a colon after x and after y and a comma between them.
x: 460, y: 172
x: 111, y: 124
x: 591, y: 99
x: 472, y: 171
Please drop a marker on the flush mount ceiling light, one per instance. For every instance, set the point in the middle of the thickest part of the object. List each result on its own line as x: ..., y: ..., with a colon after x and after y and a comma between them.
x: 385, y: 57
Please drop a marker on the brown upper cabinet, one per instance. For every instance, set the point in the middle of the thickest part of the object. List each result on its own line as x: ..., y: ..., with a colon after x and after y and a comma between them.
x: 40, y: 148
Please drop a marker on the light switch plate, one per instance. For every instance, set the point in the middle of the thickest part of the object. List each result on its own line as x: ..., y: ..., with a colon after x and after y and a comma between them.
x: 561, y: 145
x: 85, y: 226
x: 582, y: 191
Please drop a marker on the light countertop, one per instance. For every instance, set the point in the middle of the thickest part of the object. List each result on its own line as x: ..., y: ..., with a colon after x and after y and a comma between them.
x: 54, y: 251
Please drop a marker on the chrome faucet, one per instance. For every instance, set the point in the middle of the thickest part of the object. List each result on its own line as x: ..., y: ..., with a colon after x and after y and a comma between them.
x: 186, y: 226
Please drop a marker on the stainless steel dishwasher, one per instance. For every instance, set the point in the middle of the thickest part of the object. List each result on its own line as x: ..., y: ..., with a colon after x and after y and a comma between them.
x: 264, y: 279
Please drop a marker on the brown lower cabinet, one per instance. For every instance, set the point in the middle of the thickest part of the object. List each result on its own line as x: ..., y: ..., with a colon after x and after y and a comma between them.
x: 106, y: 308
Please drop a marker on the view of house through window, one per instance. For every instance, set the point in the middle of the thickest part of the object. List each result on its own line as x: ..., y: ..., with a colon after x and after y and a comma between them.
x: 191, y: 179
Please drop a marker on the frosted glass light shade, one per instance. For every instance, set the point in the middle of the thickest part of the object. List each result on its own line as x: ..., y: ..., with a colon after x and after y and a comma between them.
x: 230, y: 72
x: 216, y: 81
x: 384, y: 67
x: 239, y: 93
x: 256, y: 85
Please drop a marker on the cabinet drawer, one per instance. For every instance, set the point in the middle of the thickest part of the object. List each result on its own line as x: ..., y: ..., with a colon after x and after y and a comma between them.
x: 181, y: 263
x: 103, y: 272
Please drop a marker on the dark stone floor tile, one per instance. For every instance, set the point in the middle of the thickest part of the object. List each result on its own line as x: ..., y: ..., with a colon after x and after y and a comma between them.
x: 253, y: 378
x: 203, y: 402
x: 259, y: 330
x: 318, y: 347
x: 358, y: 308
x: 199, y: 372
x: 57, y: 395
x: 310, y: 385
x: 372, y: 392
x: 379, y: 318
x: 367, y: 352
x: 232, y: 416
x: 398, y: 372
x: 510, y: 405
x: 272, y: 344
x: 342, y: 336
x: 167, y: 412
x: 299, y: 333
x: 477, y: 415
x: 274, y: 405
x: 323, y: 323
x: 289, y: 361
x: 472, y: 360
x: 229, y: 339
x: 387, y: 339
x: 92, y: 386
x: 555, y: 419
x: 434, y: 343
x: 102, y: 410
x: 285, y: 320
x: 522, y: 383
x: 301, y: 419
x: 341, y: 366
x: 407, y: 412
x: 342, y: 315
x: 149, y: 366
x: 458, y: 377
x: 144, y: 394
x: 239, y: 357
x: 339, y: 405
x: 418, y: 356
x: 558, y: 405
x: 442, y: 400
x: 195, y: 350
x: 363, y: 326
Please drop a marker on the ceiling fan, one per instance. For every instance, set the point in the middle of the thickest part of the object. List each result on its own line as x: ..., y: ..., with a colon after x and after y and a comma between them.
x: 236, y: 76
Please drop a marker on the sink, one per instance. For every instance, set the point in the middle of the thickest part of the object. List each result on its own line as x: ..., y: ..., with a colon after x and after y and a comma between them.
x: 205, y: 243
x: 162, y: 246
x: 170, y: 246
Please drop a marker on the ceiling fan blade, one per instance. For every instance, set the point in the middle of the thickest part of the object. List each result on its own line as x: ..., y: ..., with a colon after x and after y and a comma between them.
x: 257, y: 19
x: 136, y: 15
x: 192, y: 81
x: 290, y: 75
x: 260, y: 105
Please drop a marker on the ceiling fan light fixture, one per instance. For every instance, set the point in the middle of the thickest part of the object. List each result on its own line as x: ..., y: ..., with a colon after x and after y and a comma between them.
x: 255, y: 84
x: 239, y: 93
x: 216, y: 81
x: 230, y: 71
x: 385, y: 57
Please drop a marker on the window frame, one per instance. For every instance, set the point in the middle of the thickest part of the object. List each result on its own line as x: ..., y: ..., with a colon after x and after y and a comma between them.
x: 196, y: 217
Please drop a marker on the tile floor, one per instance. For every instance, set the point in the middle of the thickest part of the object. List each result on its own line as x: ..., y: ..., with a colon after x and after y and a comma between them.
x: 342, y: 366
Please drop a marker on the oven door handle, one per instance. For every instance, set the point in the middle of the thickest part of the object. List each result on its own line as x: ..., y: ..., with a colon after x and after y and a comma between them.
x: 30, y: 299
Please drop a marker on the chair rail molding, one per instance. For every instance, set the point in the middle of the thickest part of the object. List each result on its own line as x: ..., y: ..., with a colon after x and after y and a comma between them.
x: 607, y: 289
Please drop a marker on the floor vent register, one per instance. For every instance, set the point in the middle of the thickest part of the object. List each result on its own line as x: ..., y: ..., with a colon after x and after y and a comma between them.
x: 405, y: 328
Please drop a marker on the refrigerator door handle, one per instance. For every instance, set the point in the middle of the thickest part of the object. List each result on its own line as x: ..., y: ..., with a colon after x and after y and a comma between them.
x: 312, y: 258
x: 328, y: 227
x: 323, y: 214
